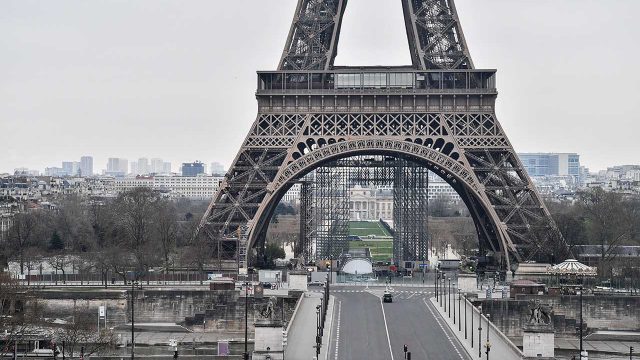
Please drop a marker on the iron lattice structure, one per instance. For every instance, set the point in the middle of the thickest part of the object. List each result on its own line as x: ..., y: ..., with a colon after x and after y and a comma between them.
x: 304, y: 247
x: 410, y: 199
x: 410, y: 213
x: 439, y: 112
x: 332, y: 211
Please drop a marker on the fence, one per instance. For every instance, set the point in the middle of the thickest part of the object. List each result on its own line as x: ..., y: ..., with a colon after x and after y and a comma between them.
x: 481, y: 338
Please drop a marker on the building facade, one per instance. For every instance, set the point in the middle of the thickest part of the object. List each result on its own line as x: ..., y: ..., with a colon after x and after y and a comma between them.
x: 117, y: 167
x: 551, y: 164
x: 86, y: 166
x: 192, y: 169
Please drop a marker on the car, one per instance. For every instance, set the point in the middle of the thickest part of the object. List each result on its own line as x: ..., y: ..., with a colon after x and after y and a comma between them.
x: 266, y: 285
x: 387, y: 297
x: 315, y: 283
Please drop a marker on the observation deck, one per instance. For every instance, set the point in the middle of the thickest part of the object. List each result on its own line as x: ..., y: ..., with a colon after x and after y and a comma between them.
x: 378, y: 81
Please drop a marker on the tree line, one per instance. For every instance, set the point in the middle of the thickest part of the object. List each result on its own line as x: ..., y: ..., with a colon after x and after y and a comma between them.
x: 605, y: 219
x: 135, y: 231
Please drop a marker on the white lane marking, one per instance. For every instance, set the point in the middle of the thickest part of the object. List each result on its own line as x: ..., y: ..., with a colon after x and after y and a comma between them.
x: 446, y: 333
x: 386, y: 328
x: 338, y: 329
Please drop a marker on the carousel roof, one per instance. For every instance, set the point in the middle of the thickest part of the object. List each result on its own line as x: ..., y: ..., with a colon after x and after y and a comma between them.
x: 572, y: 267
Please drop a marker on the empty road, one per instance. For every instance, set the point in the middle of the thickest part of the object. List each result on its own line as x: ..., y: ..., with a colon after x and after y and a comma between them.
x: 366, y: 328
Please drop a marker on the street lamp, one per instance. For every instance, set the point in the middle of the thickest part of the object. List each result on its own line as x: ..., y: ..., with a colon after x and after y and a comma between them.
x: 488, y: 326
x: 472, y: 310
x: 480, y: 332
x: 449, y: 297
x: 479, y: 337
x: 580, y: 290
x: 459, y: 312
x: 318, y: 339
x: 465, y: 318
x: 133, y: 284
x: 454, y: 305
x: 435, y: 282
x: 245, y: 356
x: 444, y: 292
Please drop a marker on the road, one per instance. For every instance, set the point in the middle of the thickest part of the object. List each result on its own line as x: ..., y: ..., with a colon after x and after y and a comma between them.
x: 366, y: 328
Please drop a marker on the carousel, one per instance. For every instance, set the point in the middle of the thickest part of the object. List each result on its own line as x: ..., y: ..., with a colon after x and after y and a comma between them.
x: 570, y: 275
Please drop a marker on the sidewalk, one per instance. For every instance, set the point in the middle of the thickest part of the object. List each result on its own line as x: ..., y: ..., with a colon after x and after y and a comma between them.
x: 501, y: 346
x: 301, y: 339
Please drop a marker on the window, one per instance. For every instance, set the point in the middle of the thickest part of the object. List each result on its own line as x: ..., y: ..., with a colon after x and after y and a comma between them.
x: 375, y: 80
x: 348, y: 81
x: 401, y: 80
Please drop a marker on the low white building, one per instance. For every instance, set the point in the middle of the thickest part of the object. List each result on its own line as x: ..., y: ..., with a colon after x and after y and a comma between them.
x: 201, y: 187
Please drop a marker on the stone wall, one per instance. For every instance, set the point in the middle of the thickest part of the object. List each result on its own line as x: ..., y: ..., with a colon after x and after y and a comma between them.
x: 601, y: 312
x: 203, y: 310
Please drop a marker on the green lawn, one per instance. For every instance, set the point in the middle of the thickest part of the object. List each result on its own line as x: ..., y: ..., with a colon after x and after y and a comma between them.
x: 381, y: 250
x: 366, y: 228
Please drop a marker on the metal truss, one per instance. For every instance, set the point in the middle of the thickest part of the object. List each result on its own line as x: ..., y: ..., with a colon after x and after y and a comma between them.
x: 313, y: 38
x: 440, y: 113
x: 410, y: 212
x: 410, y: 183
x: 435, y: 37
x: 331, y: 194
x: 304, y: 247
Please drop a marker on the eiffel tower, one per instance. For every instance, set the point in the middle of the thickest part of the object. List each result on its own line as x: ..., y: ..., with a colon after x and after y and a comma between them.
x: 438, y: 112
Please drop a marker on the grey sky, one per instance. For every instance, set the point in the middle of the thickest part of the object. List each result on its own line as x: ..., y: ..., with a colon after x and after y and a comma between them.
x: 176, y: 79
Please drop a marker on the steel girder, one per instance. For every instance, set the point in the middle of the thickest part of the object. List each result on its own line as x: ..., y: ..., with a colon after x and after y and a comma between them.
x: 313, y: 39
x: 304, y: 247
x: 435, y: 36
x: 453, y: 131
x: 410, y: 212
x: 436, y: 40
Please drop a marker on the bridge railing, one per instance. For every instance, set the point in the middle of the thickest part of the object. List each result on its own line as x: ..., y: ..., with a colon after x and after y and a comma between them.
x: 473, y: 329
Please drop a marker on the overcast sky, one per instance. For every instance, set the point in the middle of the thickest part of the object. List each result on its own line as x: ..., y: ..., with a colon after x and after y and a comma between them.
x: 176, y: 79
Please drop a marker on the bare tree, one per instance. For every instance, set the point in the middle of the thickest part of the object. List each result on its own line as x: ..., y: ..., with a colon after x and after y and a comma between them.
x: 166, y: 229
x: 21, y: 237
x: 59, y: 262
x: 17, y: 319
x: 82, y: 337
x: 74, y: 224
x: 136, y: 210
x: 608, y: 222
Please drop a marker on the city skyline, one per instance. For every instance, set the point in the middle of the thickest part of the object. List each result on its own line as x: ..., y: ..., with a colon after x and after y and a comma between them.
x: 158, y: 88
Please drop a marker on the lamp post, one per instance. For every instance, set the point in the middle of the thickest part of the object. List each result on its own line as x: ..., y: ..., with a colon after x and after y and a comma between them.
x: 444, y: 291
x: 435, y: 282
x: 581, y: 323
x: 318, y: 339
x: 459, y: 312
x: 454, y: 305
x: 480, y: 332
x: 133, y: 283
x: 245, y: 356
x: 465, y: 318
x: 488, y: 326
x: 449, y: 296
x: 472, y: 307
x: 479, y: 338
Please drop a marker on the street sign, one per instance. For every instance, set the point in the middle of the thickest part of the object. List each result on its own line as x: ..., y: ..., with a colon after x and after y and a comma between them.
x: 424, y: 265
x: 102, y: 311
